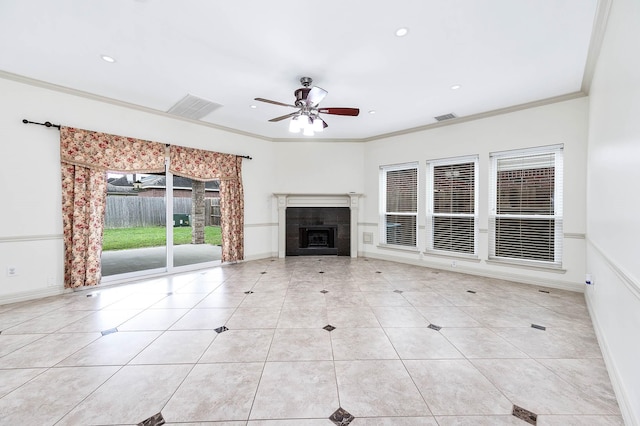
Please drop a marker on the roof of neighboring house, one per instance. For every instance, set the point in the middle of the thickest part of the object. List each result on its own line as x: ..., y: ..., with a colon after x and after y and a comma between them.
x: 179, y: 182
x: 119, y: 181
x: 121, y: 185
x: 117, y: 189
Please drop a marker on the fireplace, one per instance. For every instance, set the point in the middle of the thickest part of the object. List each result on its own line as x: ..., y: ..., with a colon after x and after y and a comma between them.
x: 317, y: 224
x: 315, y: 231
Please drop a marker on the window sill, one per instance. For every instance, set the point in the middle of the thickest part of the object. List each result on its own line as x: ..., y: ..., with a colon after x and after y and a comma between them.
x: 398, y: 248
x: 452, y: 255
x: 537, y: 266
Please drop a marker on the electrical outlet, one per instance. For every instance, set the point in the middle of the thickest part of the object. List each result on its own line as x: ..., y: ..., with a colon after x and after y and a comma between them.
x: 454, y: 263
x: 12, y: 271
x: 367, y: 237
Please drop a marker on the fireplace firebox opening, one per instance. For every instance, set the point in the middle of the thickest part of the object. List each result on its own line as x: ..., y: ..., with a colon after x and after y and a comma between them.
x: 317, y: 236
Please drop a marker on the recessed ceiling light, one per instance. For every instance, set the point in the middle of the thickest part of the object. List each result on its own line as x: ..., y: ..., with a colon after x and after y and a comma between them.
x: 107, y: 58
x: 455, y: 87
x: 372, y: 111
x: 401, y: 32
x: 254, y: 106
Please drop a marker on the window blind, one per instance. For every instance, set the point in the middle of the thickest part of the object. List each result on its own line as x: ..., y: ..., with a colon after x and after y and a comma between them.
x: 399, y: 204
x: 526, y: 205
x: 452, y: 205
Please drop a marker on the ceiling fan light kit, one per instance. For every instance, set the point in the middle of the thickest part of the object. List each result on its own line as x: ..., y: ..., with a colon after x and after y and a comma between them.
x: 307, y: 118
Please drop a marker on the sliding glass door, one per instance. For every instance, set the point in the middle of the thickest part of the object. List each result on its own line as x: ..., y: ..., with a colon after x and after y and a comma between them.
x: 144, y: 211
x: 135, y: 231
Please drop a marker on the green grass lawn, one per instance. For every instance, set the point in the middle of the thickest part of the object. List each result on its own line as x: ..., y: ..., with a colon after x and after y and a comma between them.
x: 154, y: 236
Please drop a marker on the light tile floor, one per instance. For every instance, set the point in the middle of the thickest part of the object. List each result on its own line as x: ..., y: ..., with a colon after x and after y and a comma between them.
x: 121, y: 355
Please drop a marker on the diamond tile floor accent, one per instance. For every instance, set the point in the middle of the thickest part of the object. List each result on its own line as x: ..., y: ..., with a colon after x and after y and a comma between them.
x: 155, y: 420
x: 109, y: 331
x: 526, y: 415
x: 341, y: 417
x: 198, y: 349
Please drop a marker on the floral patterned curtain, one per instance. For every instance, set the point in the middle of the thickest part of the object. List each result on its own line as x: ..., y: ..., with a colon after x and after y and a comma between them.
x: 232, y: 212
x: 204, y: 165
x: 85, y: 158
x: 83, y: 203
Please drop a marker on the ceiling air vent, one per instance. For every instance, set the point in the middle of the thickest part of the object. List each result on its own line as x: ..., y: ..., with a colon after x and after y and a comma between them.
x: 445, y: 117
x: 193, y: 107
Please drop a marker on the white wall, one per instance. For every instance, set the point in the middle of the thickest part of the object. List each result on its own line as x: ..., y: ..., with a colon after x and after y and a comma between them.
x: 559, y: 123
x: 30, y: 194
x: 613, y: 196
x: 319, y: 167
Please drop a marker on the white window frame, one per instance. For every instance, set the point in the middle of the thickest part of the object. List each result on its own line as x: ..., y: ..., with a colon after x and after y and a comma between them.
x: 383, y: 204
x: 431, y: 164
x: 557, y: 216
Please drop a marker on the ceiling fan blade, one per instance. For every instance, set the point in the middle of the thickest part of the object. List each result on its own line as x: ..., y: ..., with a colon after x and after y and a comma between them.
x: 340, y: 111
x: 274, y: 102
x: 315, y: 96
x: 282, y: 117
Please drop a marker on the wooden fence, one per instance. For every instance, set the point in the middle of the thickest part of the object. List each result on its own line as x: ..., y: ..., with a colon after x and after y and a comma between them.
x: 130, y: 212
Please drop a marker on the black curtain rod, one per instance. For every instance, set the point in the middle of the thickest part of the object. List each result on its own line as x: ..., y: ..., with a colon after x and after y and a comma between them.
x: 57, y: 126
x: 46, y: 124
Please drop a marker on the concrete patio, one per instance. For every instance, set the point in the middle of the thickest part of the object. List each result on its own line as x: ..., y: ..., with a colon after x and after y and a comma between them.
x: 123, y: 261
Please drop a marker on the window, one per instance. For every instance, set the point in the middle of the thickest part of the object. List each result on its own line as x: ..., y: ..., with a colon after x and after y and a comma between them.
x: 452, y: 205
x: 399, y: 205
x: 525, y: 217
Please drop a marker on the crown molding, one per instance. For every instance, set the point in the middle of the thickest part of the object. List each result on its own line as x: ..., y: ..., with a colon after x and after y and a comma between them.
x: 481, y: 115
x: 501, y: 111
x: 82, y: 94
x: 595, y: 44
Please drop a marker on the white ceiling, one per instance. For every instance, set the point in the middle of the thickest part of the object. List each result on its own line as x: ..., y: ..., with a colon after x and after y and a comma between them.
x: 502, y: 53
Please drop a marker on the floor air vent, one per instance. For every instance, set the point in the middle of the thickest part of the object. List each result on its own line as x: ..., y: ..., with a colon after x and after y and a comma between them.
x: 193, y: 107
x: 445, y: 117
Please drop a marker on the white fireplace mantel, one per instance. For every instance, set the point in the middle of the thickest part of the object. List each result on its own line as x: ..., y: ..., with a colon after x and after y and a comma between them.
x: 285, y: 200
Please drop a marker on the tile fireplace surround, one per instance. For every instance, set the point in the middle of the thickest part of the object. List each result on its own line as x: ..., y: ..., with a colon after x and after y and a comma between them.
x: 285, y: 200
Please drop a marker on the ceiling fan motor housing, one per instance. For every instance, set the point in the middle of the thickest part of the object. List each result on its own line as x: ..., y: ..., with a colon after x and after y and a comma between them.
x: 301, y: 96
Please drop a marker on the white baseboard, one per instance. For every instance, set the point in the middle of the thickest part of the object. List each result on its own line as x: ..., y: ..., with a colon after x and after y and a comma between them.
x: 261, y: 256
x: 524, y: 279
x: 32, y: 294
x: 614, y: 374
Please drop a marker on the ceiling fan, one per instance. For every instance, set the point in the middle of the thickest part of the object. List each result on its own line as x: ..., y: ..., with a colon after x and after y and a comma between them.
x: 307, y: 118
